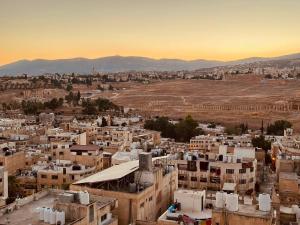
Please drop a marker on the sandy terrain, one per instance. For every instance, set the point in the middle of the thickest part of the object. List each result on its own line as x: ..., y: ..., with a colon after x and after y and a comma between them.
x: 178, y: 98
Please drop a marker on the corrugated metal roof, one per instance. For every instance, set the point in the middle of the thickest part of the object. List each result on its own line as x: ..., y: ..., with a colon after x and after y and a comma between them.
x: 114, y: 172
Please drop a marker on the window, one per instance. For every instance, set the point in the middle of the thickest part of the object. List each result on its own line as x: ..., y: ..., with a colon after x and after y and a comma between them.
x: 230, y: 171
x: 204, y: 166
x: 181, y: 177
x: 104, y: 217
x: 44, y: 176
x: 193, y: 178
x: 203, y: 179
x: 191, y: 166
x: 61, y: 153
x: 54, y: 177
x: 0, y: 180
x: 182, y: 166
x: 142, y: 205
x: 251, y: 180
x: 150, y: 199
x: 242, y: 170
x: 243, y: 181
x: 251, y: 169
x: 1, y: 163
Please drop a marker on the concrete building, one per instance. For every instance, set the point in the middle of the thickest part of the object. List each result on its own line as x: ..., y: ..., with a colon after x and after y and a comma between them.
x: 228, y: 172
x: 3, y: 186
x: 144, y: 188
x: 60, y: 174
x: 65, y: 208
x: 12, y: 160
x: 189, y: 207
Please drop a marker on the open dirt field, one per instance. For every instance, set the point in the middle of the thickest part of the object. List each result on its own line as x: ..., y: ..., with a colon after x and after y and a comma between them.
x: 247, y: 99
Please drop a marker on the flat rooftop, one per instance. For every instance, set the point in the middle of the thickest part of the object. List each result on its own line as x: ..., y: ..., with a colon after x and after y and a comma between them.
x: 28, y: 214
x: 248, y: 210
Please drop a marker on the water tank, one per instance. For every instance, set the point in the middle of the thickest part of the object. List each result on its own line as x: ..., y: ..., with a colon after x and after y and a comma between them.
x: 60, y: 217
x: 84, y: 198
x: 264, y: 202
x: 132, y: 187
x: 232, y: 202
x: 220, y: 199
x: 296, y: 210
x: 234, y: 158
x: 47, y: 215
x: 145, y: 161
x: 52, y: 217
x: 41, y: 213
x: 229, y: 159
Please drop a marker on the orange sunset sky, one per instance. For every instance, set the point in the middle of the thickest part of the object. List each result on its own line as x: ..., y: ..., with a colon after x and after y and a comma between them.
x: 186, y: 29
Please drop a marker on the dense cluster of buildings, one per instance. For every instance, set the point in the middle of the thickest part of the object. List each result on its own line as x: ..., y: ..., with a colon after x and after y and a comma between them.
x: 86, y: 172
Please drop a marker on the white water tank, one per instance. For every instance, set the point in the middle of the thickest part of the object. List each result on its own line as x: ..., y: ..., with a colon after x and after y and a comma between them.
x: 47, y: 215
x: 232, y: 202
x: 264, y: 202
x: 234, y: 158
x: 220, y: 199
x: 41, y: 213
x: 84, y: 198
x: 296, y: 210
x: 229, y: 159
x: 52, y: 217
x: 60, y: 217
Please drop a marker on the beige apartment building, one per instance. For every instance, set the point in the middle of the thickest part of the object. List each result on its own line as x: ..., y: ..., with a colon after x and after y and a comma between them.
x: 3, y: 186
x: 61, y: 174
x: 12, y: 160
x: 93, y: 210
x: 144, y: 188
x: 217, y: 174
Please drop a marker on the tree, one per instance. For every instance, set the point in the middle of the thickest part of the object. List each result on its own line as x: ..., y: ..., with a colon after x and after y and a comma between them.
x: 77, y: 99
x: 278, y: 127
x: 182, y: 131
x: 260, y: 142
x: 212, y: 125
x: 89, y: 108
x: 104, y: 122
x: 69, y: 87
x: 14, y: 189
x: 69, y: 97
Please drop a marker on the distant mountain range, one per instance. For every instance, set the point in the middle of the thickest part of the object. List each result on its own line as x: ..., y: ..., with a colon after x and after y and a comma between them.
x: 120, y: 64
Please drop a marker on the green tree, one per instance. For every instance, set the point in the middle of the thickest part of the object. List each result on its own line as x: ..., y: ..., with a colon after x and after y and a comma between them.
x: 261, y: 142
x: 104, y: 122
x: 69, y: 87
x: 278, y: 127
x: 89, y: 107
x: 14, y: 189
x: 182, y: 131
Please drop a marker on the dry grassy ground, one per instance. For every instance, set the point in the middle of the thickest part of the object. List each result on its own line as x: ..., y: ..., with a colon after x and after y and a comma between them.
x: 176, y: 98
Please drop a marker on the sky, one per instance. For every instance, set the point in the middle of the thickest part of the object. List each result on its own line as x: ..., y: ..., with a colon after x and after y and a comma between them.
x: 185, y: 29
